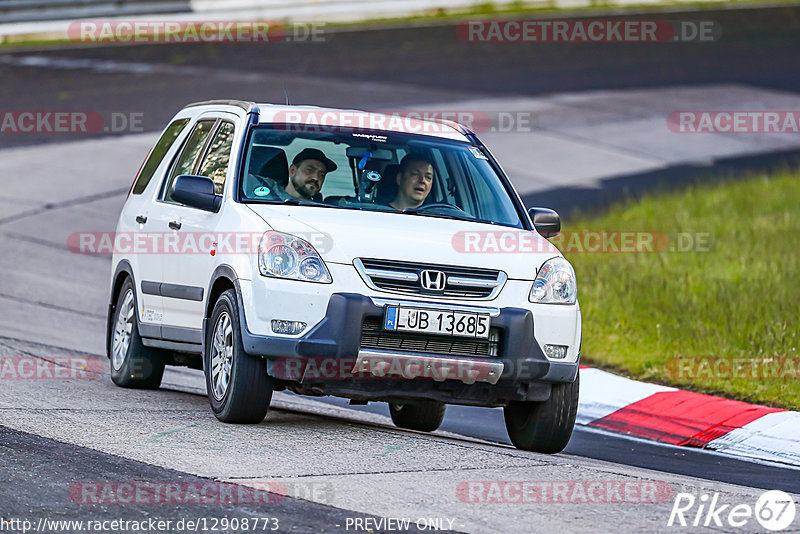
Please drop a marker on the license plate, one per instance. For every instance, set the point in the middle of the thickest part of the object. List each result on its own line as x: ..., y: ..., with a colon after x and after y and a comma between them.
x: 439, y: 322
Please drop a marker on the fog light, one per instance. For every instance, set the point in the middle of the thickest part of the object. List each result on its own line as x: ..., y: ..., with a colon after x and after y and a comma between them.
x: 555, y: 352
x: 280, y: 326
x: 494, y: 341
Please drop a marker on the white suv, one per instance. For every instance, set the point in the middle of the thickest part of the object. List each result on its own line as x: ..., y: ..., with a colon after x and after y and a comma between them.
x: 340, y: 252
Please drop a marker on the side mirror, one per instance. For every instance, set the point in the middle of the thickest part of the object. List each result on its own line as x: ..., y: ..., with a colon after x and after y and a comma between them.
x: 197, y: 192
x: 546, y: 221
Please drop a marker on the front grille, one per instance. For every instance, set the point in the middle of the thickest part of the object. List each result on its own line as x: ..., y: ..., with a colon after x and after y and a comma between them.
x: 405, y: 277
x: 374, y: 337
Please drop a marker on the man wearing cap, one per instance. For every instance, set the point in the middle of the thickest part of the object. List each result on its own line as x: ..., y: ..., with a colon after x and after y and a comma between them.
x: 307, y: 173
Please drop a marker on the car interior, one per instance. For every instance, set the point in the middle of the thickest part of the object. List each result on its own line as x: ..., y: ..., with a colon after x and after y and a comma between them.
x: 464, y: 184
x: 272, y: 162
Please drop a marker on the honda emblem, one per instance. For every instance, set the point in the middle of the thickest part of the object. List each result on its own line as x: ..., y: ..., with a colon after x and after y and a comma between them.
x: 433, y: 280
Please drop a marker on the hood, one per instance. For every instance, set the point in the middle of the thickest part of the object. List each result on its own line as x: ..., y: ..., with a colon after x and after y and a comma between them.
x: 341, y: 235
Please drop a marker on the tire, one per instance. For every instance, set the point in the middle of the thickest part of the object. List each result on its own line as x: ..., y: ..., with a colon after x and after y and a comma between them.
x: 544, y: 426
x: 425, y: 416
x: 239, y: 389
x: 132, y: 364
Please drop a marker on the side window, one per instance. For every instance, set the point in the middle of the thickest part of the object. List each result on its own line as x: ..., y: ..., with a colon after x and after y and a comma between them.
x: 484, y: 204
x: 215, y: 165
x: 157, y: 154
x: 192, y: 151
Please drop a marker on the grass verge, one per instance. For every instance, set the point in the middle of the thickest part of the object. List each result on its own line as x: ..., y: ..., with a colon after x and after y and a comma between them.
x: 721, y: 317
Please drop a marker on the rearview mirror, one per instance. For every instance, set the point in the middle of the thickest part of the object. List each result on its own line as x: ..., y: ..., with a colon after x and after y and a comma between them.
x: 546, y: 221
x: 380, y: 154
x: 197, y: 192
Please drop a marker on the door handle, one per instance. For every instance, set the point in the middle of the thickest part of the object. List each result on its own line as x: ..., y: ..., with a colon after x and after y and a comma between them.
x: 141, y: 219
x: 175, y: 225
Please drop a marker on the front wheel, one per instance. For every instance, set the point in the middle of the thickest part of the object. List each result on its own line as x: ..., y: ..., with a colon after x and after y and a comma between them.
x: 425, y: 416
x: 238, y: 386
x: 132, y: 364
x: 544, y: 426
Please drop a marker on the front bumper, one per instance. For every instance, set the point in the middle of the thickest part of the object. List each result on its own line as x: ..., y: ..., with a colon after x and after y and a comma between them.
x: 329, y: 359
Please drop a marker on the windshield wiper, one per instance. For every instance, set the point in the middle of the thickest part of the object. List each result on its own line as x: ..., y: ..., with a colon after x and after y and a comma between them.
x: 412, y: 211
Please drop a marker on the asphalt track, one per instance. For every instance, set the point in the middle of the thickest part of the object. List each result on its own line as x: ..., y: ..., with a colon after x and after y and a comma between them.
x: 42, y: 471
x: 54, y: 302
x: 487, y: 424
x: 352, y: 68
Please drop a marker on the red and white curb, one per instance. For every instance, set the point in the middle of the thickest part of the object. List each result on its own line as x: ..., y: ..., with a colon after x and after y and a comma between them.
x: 684, y: 418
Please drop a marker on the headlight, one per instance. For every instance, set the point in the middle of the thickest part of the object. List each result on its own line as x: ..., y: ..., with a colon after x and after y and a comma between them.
x: 555, y: 283
x: 286, y: 256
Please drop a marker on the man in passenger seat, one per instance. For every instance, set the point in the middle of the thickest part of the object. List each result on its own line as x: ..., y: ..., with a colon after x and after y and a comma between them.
x: 414, y: 182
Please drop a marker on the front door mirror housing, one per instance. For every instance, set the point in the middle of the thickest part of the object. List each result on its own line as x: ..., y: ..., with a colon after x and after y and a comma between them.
x: 197, y: 192
x: 546, y: 221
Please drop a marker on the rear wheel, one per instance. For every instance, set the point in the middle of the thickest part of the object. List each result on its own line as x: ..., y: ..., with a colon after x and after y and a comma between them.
x: 132, y: 364
x: 425, y: 416
x: 544, y: 426
x: 238, y: 386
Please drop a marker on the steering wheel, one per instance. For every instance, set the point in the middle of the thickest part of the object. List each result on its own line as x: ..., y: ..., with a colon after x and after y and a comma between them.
x: 263, y: 183
x: 261, y: 180
x: 440, y: 205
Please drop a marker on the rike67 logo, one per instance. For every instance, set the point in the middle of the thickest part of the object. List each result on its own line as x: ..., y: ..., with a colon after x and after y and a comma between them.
x: 774, y: 510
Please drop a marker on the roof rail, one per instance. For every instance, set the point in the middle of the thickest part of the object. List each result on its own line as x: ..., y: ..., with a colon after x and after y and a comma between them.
x: 249, y: 107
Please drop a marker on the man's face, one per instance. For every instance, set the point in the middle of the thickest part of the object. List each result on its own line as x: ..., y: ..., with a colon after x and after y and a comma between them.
x: 416, y: 181
x: 308, y: 177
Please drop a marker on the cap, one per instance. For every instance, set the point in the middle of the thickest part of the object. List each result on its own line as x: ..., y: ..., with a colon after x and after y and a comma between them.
x: 313, y: 153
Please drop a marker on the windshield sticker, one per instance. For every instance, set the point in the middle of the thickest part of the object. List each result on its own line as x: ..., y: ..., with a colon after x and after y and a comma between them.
x: 261, y: 191
x: 477, y: 152
x: 372, y: 137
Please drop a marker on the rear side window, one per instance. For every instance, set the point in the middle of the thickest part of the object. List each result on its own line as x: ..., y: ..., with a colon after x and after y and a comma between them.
x: 192, y: 151
x: 157, y: 154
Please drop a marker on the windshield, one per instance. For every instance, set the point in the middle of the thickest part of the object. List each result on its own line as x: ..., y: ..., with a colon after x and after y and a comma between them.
x: 375, y: 170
